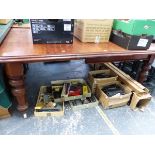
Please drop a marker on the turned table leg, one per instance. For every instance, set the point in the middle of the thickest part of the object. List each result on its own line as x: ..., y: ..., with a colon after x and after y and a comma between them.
x: 15, y: 74
x: 145, y: 69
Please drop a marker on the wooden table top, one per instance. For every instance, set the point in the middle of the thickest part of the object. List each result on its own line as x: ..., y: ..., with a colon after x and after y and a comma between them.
x: 18, y: 46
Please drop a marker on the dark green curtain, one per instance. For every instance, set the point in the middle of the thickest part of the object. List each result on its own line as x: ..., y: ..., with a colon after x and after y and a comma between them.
x: 4, y: 98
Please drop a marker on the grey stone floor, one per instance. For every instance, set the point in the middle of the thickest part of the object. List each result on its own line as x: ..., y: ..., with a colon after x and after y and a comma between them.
x: 95, y: 121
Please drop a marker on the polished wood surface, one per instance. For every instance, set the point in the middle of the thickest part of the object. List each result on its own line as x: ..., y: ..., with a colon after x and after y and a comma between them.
x: 18, y: 46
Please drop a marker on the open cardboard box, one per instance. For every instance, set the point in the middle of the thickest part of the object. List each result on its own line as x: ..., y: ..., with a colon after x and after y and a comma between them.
x: 113, y: 101
x: 94, y: 81
x: 64, y: 97
x: 140, y: 100
x: 141, y: 96
x: 84, y: 106
x: 40, y: 105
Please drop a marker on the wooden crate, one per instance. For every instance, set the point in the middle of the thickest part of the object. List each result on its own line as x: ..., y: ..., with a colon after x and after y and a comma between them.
x: 114, y: 101
x: 94, y: 81
x: 46, y: 113
x: 141, y: 96
x: 84, y: 106
x: 68, y: 98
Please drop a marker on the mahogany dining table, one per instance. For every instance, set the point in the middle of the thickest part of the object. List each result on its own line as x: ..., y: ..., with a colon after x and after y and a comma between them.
x: 18, y: 49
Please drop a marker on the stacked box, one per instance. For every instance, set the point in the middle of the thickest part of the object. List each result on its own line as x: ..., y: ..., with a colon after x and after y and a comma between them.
x: 94, y: 81
x: 133, y: 34
x: 131, y: 42
x: 47, y: 96
x: 135, y: 27
x: 95, y: 31
x: 65, y: 97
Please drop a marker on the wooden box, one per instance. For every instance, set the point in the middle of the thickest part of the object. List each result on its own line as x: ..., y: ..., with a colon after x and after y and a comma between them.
x: 68, y: 98
x: 113, y: 101
x: 81, y: 106
x: 94, y: 81
x: 41, y: 113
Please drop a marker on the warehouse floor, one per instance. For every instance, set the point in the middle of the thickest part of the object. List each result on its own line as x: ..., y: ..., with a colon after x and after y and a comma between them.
x: 94, y: 121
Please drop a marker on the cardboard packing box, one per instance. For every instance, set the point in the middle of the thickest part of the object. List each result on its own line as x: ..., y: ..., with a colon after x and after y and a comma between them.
x: 141, y: 96
x: 84, y: 105
x: 94, y: 81
x: 4, y: 112
x: 40, y: 111
x: 131, y: 42
x: 65, y: 97
x: 116, y: 100
x: 135, y: 27
x: 95, y: 31
x: 4, y: 21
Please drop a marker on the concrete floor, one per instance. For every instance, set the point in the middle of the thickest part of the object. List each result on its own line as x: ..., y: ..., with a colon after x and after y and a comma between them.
x: 95, y: 121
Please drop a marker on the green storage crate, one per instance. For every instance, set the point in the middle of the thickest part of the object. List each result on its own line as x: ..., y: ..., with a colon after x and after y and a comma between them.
x: 135, y: 27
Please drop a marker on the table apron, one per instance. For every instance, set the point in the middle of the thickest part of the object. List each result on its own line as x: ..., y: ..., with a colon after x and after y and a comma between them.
x: 88, y: 58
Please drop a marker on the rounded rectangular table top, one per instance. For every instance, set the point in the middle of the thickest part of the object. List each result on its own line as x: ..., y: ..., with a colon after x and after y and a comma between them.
x: 18, y: 45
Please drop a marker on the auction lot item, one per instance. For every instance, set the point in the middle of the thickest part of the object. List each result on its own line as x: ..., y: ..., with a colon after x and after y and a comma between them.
x: 135, y: 26
x: 113, y: 94
x: 46, y: 106
x: 72, y: 89
x: 52, y: 31
x: 100, y: 77
x: 141, y: 95
x: 131, y: 42
x: 95, y: 31
x: 79, y: 104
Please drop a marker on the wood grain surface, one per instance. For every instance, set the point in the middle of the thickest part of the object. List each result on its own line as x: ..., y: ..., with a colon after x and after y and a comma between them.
x: 18, y: 47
